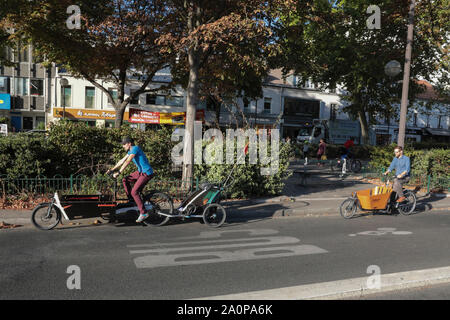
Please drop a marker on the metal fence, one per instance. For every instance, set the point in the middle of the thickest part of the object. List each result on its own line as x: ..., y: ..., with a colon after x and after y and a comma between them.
x: 81, y: 184
x: 424, y: 181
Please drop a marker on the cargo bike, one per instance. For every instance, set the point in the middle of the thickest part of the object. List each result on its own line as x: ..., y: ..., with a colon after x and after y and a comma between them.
x: 380, y: 199
x: 107, y: 206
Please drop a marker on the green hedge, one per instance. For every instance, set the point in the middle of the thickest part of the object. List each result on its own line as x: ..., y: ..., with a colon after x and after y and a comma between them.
x: 433, y: 162
x: 248, y: 178
x: 72, y: 148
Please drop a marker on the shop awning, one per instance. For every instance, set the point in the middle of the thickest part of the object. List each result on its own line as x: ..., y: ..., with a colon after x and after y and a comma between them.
x: 438, y: 132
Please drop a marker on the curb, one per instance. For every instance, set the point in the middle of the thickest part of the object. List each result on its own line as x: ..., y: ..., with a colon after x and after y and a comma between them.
x: 341, y: 289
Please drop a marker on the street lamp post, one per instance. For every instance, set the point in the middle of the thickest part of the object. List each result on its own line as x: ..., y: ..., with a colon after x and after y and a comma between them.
x: 64, y: 83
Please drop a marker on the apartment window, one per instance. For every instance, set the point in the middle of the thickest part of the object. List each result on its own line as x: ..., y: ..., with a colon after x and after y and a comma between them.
x: 155, y: 99
x: 21, y: 86
x: 333, y: 111
x: 114, y: 94
x: 37, y: 87
x: 24, y: 55
x: 267, y: 105
x: 135, y: 100
x: 4, y: 85
x: 89, y: 101
x: 246, y: 103
x: 174, y: 101
x: 66, y: 96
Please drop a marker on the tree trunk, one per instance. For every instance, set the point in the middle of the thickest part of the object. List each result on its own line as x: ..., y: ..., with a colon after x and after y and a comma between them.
x: 191, y: 102
x: 364, y: 127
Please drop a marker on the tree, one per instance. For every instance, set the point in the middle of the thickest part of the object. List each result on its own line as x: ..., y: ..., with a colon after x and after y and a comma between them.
x: 222, y: 49
x: 338, y: 47
x: 116, y: 40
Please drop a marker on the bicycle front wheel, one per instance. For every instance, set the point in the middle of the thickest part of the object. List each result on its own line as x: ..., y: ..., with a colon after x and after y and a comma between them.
x: 348, y: 208
x: 45, y: 216
x: 407, y: 207
x: 162, y: 204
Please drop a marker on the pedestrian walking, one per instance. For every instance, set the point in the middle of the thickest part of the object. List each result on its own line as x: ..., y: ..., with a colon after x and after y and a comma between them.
x: 321, y: 152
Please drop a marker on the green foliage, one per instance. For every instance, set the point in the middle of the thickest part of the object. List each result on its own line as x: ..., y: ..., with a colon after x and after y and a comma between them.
x: 247, y: 179
x: 434, y: 162
x: 25, y: 155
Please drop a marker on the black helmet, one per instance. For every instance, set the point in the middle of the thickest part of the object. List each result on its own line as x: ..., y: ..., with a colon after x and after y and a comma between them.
x: 127, y: 139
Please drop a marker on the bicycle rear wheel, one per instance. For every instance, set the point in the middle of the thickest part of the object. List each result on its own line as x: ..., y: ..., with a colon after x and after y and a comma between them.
x: 45, y: 216
x: 356, y: 166
x: 407, y: 207
x: 161, y: 203
x: 214, y: 215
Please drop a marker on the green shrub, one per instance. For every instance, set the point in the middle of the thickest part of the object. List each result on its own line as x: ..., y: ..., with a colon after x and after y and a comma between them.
x: 247, y: 179
x: 434, y: 162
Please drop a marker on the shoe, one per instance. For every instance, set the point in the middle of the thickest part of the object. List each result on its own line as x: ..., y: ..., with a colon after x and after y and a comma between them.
x: 401, y: 199
x: 142, y: 217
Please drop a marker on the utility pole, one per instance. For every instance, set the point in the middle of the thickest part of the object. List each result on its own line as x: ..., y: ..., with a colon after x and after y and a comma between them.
x: 406, y: 76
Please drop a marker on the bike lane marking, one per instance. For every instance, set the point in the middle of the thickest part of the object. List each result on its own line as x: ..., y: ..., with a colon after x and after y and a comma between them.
x: 381, y: 232
x: 222, y: 250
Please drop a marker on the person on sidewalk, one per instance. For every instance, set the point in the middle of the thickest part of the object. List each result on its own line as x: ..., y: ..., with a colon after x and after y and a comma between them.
x: 321, y: 151
x: 140, y: 177
x: 402, y: 166
x: 348, y: 145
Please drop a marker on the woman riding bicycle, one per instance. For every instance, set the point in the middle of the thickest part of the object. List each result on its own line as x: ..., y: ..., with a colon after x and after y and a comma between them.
x: 140, y: 177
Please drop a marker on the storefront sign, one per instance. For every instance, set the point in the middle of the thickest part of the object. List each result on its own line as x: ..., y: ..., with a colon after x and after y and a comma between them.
x: 174, y: 118
x: 142, y: 116
x: 87, y: 114
x: 5, y: 101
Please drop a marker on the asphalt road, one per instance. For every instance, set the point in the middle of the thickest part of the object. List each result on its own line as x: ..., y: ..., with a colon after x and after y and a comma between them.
x: 191, y: 261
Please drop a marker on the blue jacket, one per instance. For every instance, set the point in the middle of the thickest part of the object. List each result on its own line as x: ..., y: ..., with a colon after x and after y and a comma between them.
x: 400, y: 165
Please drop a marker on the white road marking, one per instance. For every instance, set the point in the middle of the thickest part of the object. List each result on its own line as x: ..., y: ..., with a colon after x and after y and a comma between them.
x: 209, y: 248
x: 381, y: 232
x: 225, y: 256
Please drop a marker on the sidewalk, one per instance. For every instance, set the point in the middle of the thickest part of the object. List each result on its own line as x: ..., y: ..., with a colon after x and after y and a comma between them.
x: 320, y: 196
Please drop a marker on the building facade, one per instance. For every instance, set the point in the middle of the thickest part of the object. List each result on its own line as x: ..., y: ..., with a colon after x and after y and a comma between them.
x: 25, y: 91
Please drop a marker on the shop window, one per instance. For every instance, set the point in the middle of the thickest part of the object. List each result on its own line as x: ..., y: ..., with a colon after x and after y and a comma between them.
x: 89, y: 100
x: 27, y: 123
x: 40, y: 123
x: 37, y: 87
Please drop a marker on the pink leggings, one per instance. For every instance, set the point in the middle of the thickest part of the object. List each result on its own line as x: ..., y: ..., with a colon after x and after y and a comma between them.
x: 140, y: 179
